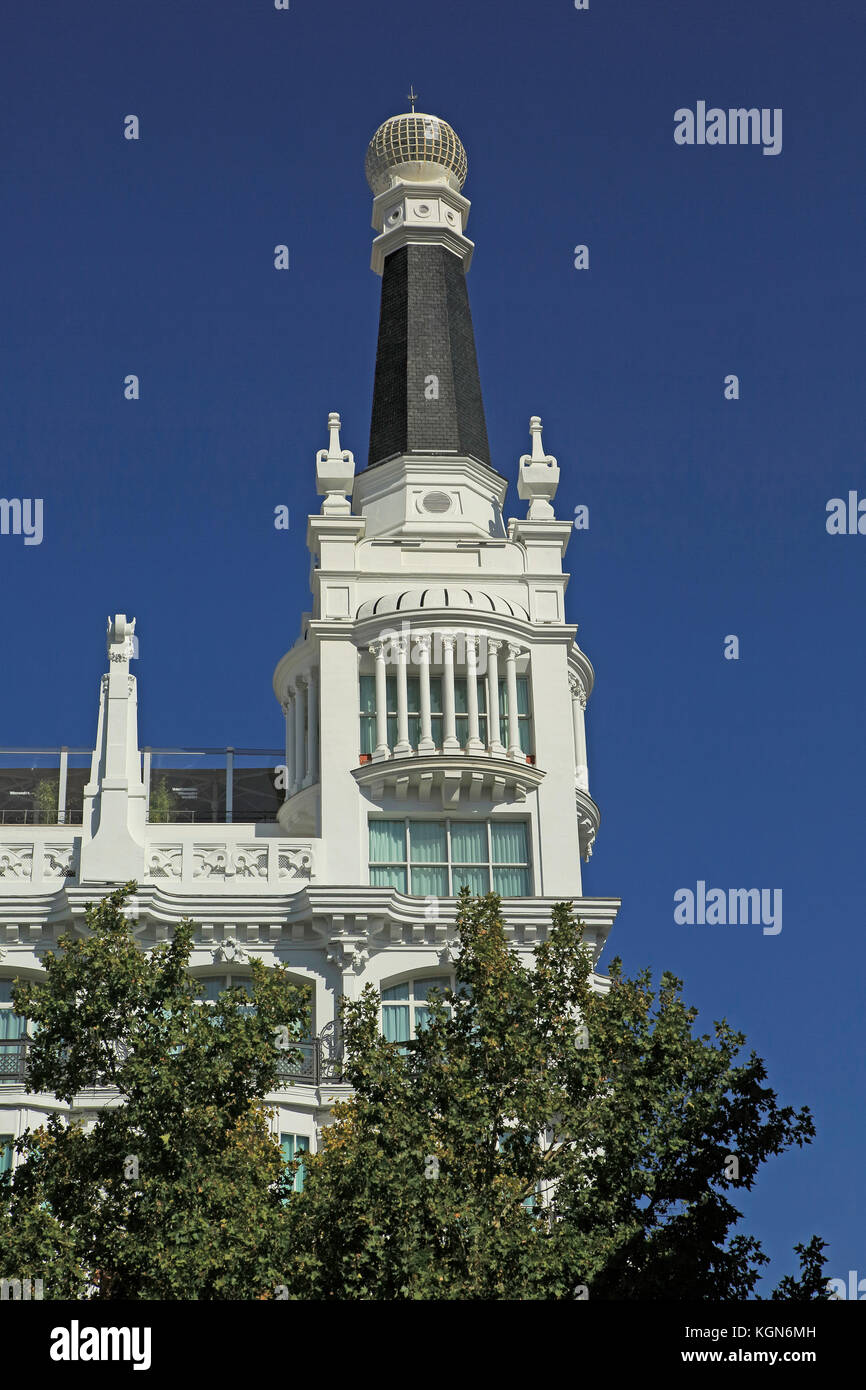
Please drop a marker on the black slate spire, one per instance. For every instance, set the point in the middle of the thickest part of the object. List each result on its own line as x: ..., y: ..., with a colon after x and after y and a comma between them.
x: 427, y: 391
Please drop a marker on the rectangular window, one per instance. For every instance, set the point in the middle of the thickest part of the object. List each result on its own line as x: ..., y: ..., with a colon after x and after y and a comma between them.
x: 6, y: 1142
x: 292, y: 1146
x: 524, y: 714
x: 12, y: 1025
x: 368, y: 714
x: 437, y: 858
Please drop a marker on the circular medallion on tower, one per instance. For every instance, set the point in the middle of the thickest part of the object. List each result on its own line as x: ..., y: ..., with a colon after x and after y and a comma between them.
x: 417, y: 149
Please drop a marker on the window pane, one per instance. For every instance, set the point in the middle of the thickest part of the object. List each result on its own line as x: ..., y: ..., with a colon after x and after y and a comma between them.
x: 503, y: 699
x: 524, y: 735
x: 509, y: 843
x: 414, y: 693
x: 477, y: 880
x: 461, y: 729
x: 397, y: 991
x: 436, y: 694
x: 392, y: 730
x: 422, y: 987
x: 460, y: 704
x: 387, y: 841
x: 388, y: 876
x: 6, y: 991
x: 511, y: 883
x: 15, y: 1025
x: 428, y: 842
x: 468, y: 842
x: 391, y: 693
x: 429, y: 881
x: 422, y: 1018
x: 6, y: 1142
x: 368, y: 695
x: 395, y: 1022
x: 436, y: 729
x: 522, y: 695
x: 368, y: 734
x: 482, y: 696
x: 414, y: 730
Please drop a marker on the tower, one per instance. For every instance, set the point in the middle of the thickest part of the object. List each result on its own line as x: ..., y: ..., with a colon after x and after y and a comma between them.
x: 433, y: 702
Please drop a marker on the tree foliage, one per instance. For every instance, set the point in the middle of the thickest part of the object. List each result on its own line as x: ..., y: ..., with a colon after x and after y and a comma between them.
x: 175, y: 1189
x: 540, y: 1140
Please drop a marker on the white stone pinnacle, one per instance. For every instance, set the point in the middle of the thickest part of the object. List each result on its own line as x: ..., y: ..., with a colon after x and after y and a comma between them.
x: 538, y: 476
x: 335, y: 472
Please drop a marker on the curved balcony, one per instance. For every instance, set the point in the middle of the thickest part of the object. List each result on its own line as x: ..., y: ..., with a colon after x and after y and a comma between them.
x: 453, y: 777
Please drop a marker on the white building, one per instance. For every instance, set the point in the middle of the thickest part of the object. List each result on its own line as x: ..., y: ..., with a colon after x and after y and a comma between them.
x: 434, y: 705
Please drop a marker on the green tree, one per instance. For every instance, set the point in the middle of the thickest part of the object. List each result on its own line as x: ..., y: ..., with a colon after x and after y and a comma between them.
x: 161, y: 805
x: 176, y: 1191
x: 45, y: 800
x: 539, y: 1140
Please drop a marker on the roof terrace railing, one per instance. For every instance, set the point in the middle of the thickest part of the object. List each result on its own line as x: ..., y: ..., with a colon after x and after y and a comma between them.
x: 183, y: 785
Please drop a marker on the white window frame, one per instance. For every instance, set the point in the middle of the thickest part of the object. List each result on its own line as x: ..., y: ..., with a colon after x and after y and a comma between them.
x: 487, y: 864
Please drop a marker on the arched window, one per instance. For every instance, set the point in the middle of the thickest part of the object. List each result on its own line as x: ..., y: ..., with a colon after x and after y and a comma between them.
x: 214, y: 985
x: 405, y: 1007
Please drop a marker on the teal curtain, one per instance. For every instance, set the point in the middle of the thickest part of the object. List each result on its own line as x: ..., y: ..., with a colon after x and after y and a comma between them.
x: 508, y: 840
x: 522, y: 695
x: 14, y: 1025
x: 512, y: 883
x: 387, y: 842
x: 6, y: 1142
x: 476, y: 879
x: 395, y: 1016
x: 438, y: 982
x: 429, y: 880
x: 428, y: 842
x: 292, y: 1146
x: 368, y: 695
x: 395, y: 1022
x: 468, y: 842
x: 388, y: 876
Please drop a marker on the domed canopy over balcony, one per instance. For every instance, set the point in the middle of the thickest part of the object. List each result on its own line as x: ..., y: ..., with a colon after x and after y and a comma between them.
x: 411, y: 600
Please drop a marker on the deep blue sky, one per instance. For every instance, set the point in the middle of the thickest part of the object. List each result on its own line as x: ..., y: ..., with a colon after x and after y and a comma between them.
x: 707, y: 517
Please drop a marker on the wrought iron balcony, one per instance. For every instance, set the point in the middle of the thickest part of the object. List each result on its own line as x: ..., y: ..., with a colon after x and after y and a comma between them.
x: 320, y: 1061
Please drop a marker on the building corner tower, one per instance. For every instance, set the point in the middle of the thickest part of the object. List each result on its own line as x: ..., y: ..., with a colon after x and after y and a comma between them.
x: 450, y: 689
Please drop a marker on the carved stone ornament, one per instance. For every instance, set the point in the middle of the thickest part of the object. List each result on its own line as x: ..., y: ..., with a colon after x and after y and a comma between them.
x: 230, y: 950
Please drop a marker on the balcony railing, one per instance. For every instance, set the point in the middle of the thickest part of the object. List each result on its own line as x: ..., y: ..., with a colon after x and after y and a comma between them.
x: 320, y: 1061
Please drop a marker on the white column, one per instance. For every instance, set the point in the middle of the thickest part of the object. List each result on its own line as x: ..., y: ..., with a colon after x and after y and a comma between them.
x: 578, y: 705
x: 61, y: 789
x: 423, y: 644
x: 494, y: 736
x: 402, y: 747
x: 377, y: 650
x: 449, y: 741
x: 514, y: 749
x: 289, y: 708
x: 299, y: 733
x: 312, y: 727
x: 474, y: 744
